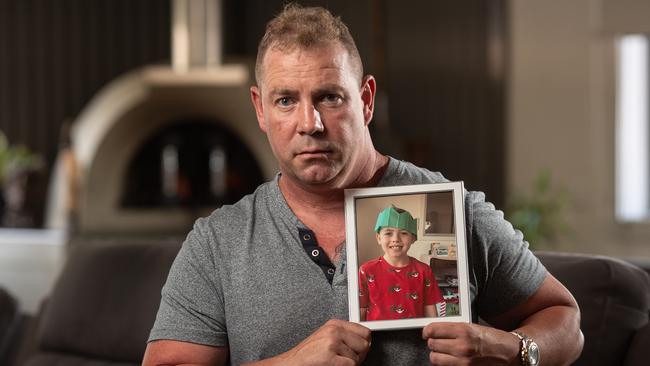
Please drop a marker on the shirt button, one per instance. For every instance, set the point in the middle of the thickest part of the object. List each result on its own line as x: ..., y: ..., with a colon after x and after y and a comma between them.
x: 306, y: 237
x: 315, y: 253
x: 330, y: 271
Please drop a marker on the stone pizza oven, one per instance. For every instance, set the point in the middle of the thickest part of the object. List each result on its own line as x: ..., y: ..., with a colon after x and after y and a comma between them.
x: 162, y: 145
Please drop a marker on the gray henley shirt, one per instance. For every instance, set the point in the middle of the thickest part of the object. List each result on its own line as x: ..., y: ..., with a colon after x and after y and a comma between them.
x: 243, y: 280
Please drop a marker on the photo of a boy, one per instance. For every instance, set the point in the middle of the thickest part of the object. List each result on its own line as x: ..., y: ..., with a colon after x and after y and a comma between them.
x: 395, y: 285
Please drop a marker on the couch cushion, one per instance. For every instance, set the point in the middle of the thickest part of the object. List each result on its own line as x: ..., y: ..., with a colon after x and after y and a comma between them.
x: 105, y: 300
x: 9, y: 317
x: 614, y: 300
x: 637, y: 354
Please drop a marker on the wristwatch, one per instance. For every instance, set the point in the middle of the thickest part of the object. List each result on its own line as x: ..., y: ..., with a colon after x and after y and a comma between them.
x: 528, y: 350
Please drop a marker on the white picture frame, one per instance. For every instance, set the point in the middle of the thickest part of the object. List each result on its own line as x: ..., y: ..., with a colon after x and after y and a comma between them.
x: 362, y: 205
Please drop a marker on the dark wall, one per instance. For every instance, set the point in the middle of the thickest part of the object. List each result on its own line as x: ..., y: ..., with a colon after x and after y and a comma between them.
x: 55, y: 55
x: 439, y: 66
x: 446, y: 85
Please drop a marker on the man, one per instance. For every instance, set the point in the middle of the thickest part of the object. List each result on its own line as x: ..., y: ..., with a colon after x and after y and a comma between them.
x: 264, y: 280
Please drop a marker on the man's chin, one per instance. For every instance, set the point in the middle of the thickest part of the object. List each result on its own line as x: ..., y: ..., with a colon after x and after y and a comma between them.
x: 320, y: 176
x: 316, y: 179
x: 318, y: 173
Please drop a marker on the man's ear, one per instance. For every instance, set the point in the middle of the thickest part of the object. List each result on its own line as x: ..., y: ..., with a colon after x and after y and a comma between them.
x: 368, y: 91
x: 256, y: 98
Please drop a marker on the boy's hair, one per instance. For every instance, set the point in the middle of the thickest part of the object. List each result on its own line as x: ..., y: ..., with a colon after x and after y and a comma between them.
x: 398, y: 218
x: 308, y: 28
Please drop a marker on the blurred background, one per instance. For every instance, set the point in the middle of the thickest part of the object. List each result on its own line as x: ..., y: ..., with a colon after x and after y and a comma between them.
x: 129, y: 119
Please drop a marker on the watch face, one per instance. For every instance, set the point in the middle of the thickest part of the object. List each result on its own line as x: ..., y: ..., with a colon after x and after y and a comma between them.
x: 533, y: 354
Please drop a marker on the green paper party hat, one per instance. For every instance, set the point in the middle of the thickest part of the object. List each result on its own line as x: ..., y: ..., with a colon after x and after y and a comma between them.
x: 390, y: 217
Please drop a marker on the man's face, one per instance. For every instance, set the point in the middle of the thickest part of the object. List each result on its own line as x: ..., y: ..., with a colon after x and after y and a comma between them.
x: 315, y: 112
x: 395, y: 242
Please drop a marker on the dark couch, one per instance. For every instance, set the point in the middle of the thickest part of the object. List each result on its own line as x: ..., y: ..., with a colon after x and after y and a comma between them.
x: 614, y: 299
x: 101, y: 308
x: 104, y: 303
x: 10, y: 326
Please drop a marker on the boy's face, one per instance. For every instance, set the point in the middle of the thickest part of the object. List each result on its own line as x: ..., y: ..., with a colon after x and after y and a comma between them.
x: 395, y: 242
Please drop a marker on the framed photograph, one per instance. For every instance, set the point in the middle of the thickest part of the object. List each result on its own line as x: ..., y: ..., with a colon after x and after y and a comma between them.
x: 407, y: 255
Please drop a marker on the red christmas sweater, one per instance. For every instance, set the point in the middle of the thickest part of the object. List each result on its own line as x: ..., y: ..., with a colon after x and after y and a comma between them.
x: 396, y: 293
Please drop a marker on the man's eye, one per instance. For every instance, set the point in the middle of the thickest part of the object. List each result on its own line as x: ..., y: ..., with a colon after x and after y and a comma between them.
x: 332, y: 99
x: 283, y: 102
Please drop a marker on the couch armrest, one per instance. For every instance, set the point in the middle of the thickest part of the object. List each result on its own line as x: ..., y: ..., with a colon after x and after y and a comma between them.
x: 614, y: 300
x: 10, y: 320
x: 104, y: 302
x: 637, y: 353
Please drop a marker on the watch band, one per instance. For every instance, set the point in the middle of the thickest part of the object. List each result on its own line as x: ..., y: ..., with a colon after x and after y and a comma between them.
x: 523, y: 348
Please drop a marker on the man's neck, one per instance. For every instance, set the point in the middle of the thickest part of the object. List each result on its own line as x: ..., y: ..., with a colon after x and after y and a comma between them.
x: 330, y: 197
x: 320, y: 208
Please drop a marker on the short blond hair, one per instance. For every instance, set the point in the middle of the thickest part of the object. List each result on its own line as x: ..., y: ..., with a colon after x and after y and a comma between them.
x: 298, y: 27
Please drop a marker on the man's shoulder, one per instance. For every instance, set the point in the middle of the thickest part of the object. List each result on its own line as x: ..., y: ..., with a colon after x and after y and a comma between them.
x: 482, y: 214
x: 477, y: 209
x: 234, y: 217
x: 401, y: 172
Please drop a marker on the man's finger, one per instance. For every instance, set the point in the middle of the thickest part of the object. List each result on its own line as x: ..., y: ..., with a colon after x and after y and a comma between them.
x: 354, y: 335
x: 445, y: 330
x: 456, y: 348
x: 343, y: 361
x: 442, y: 345
x: 442, y: 359
x: 350, y: 340
x: 356, y: 328
x: 357, y: 343
x: 342, y: 350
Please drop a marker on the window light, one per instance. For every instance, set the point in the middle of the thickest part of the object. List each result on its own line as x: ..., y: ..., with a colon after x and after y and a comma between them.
x: 632, y: 149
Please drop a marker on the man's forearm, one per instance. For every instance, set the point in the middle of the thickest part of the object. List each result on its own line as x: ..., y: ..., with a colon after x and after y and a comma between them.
x: 550, y: 317
x: 556, y: 330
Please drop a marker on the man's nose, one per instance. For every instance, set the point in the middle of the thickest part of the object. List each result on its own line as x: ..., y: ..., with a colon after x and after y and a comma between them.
x: 311, y: 122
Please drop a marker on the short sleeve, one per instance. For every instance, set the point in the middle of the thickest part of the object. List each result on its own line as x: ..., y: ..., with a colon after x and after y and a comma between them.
x: 507, y: 272
x: 192, y: 307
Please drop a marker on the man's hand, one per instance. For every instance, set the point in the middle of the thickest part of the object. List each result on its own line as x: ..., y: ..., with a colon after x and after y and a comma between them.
x: 337, y: 342
x: 550, y: 317
x: 470, y: 344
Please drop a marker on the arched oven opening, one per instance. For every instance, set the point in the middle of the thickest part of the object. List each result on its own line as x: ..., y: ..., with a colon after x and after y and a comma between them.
x: 192, y: 163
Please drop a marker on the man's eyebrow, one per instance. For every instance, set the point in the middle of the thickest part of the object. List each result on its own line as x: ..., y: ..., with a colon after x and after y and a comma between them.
x: 329, y: 88
x: 323, y: 89
x: 282, y: 92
